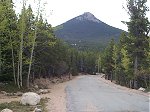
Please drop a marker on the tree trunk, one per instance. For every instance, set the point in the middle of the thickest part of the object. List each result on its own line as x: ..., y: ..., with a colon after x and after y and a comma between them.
x: 130, y: 84
x: 18, y: 82
x: 33, y: 46
x: 30, y: 64
x: 0, y: 59
x: 21, y: 43
x: 135, y: 71
x: 40, y: 73
x: 145, y: 82
x: 111, y: 77
x: 135, y: 65
x: 135, y: 84
x: 70, y: 76
x: 13, y: 60
x: 98, y: 65
x: 33, y: 77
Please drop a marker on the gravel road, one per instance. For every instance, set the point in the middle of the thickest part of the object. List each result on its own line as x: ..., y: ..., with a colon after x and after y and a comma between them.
x: 88, y: 94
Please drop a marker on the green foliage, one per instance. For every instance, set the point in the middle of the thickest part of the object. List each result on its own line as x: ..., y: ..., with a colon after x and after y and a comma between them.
x: 130, y: 57
x: 17, y: 107
x: 8, y: 29
x: 87, y: 34
x: 125, y: 60
x: 126, y: 64
x: 138, y: 28
x: 107, y: 60
x: 51, y: 56
x: 10, y: 87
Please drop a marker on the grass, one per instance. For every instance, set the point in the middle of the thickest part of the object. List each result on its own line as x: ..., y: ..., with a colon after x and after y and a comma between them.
x: 147, y: 89
x: 11, y: 87
x: 17, y: 107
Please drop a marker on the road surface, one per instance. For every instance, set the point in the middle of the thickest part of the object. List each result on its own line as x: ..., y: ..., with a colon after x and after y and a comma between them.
x: 88, y: 94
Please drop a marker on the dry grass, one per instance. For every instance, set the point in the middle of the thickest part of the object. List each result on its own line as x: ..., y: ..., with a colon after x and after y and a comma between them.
x: 43, y: 83
x: 17, y: 107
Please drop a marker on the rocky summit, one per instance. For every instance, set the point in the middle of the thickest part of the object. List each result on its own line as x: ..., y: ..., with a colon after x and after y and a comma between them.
x: 88, y: 16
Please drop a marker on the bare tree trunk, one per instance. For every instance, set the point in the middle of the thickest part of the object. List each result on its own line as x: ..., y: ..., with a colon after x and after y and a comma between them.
x: 33, y: 74
x: 21, y: 43
x: 98, y: 65
x: 135, y: 65
x: 18, y: 82
x: 135, y: 70
x: 70, y: 76
x: 130, y: 84
x: 111, y: 77
x: 33, y: 46
x: 33, y: 77
x: 115, y: 74
x: 13, y: 61
x: 40, y: 73
x: 0, y: 59
x: 30, y: 64
x: 20, y: 60
x: 145, y: 82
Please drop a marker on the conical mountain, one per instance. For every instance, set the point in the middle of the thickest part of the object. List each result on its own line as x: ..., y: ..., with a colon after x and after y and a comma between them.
x: 86, y: 28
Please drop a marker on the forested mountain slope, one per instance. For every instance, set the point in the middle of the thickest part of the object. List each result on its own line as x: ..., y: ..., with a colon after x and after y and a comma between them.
x: 86, y: 28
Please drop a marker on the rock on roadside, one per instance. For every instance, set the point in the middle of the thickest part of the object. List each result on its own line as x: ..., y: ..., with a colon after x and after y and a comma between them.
x: 43, y: 91
x: 37, y: 110
x: 11, y: 94
x: 141, y: 89
x: 30, y: 98
x: 6, y: 110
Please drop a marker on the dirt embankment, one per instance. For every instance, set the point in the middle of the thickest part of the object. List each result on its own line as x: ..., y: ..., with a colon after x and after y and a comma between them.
x: 112, y: 84
x: 56, y: 97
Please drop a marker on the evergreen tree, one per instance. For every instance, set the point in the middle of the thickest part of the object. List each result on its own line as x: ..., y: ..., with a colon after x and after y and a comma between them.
x: 115, y: 59
x: 126, y: 65
x: 138, y: 28
x: 108, y: 60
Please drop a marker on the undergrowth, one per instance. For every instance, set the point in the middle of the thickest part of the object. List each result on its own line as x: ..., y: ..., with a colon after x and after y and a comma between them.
x: 17, y: 107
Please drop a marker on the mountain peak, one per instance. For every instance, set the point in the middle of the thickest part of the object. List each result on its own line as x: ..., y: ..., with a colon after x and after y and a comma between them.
x: 88, y: 16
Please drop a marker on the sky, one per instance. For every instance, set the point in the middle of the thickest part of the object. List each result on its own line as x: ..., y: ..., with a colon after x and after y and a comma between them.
x: 59, y: 11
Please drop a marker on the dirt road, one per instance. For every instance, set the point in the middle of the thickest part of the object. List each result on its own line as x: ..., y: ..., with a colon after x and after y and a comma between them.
x: 92, y: 94
x: 89, y: 94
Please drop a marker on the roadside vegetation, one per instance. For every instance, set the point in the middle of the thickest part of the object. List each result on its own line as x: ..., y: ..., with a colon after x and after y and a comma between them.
x: 17, y: 107
x: 128, y: 61
x: 11, y: 87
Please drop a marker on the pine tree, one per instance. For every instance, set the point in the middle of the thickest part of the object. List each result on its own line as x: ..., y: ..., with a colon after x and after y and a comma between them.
x: 115, y: 59
x: 108, y: 61
x: 138, y: 28
x: 126, y: 64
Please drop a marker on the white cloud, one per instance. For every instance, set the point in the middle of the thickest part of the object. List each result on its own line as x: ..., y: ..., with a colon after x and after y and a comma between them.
x: 108, y: 11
